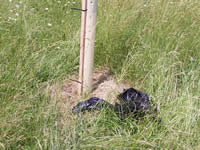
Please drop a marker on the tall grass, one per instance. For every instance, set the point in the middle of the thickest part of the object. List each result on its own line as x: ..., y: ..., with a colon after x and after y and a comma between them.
x: 154, y: 45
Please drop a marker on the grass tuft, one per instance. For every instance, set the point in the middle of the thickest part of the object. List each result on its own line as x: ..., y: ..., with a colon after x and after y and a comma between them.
x: 154, y: 45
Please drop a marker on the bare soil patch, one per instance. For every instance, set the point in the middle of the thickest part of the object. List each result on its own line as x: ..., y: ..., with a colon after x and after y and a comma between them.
x: 104, y: 86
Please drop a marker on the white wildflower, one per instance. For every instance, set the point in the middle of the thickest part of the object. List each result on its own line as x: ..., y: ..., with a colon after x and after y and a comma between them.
x: 59, y: 2
x: 49, y: 24
x: 46, y: 8
x: 9, y: 19
x: 10, y: 0
x: 17, y: 14
x: 17, y: 6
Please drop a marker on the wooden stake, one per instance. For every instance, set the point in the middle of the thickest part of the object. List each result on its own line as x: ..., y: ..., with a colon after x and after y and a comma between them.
x: 89, y: 44
x: 82, y: 44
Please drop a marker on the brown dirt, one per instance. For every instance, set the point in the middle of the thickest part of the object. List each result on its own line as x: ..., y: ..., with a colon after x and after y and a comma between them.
x: 105, y: 87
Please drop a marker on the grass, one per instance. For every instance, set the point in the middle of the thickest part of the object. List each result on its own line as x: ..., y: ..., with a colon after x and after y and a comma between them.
x: 147, y: 43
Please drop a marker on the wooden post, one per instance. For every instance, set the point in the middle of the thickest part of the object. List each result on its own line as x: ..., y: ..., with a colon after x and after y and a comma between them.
x: 82, y: 44
x: 89, y: 44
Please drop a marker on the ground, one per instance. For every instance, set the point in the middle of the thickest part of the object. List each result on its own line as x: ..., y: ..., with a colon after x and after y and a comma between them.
x: 104, y: 86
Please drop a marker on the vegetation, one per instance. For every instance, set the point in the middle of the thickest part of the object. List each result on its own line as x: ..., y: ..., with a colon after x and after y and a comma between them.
x: 154, y: 45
